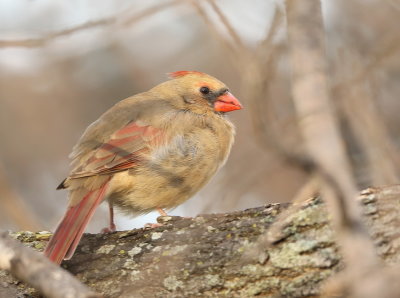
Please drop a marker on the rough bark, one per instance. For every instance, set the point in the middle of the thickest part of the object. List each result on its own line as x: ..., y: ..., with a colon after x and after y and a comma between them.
x: 38, y: 271
x: 219, y: 254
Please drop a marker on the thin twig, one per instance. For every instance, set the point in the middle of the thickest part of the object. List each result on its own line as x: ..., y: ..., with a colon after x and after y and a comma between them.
x: 259, y: 69
x: 149, y: 11
x: 200, y: 10
x: 42, y: 41
x: 232, y: 32
x: 114, y: 20
x: 266, y: 43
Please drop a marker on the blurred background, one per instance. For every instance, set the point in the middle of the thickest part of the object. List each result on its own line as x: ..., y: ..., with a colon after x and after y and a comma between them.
x: 63, y: 63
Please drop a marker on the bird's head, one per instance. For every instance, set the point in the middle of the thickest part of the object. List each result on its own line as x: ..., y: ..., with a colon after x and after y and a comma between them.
x: 199, y: 92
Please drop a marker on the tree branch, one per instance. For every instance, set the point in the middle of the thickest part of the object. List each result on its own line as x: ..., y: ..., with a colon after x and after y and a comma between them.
x: 223, y: 255
x: 126, y: 21
x: 36, y: 270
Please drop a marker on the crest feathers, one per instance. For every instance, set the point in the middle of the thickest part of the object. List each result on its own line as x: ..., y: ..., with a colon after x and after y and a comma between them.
x: 181, y: 73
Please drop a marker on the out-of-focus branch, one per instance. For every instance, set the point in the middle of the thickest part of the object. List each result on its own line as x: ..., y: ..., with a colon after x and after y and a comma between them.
x: 257, y: 67
x: 36, y: 270
x: 365, y: 119
x: 260, y: 69
x: 14, y: 207
x: 394, y: 3
x: 266, y: 43
x: 130, y: 19
x: 387, y: 50
x: 235, y: 36
x: 320, y: 130
x: 315, y: 110
x: 42, y: 41
x: 202, y: 13
x: 114, y: 20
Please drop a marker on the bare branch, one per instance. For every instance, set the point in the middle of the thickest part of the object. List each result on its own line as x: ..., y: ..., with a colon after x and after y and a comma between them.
x: 150, y: 11
x: 394, y: 3
x: 232, y: 32
x: 266, y: 43
x: 42, y: 41
x: 317, y: 120
x: 187, y: 256
x: 364, y: 117
x: 369, y: 128
x: 213, y: 29
x: 321, y: 133
x: 36, y: 270
x: 114, y: 20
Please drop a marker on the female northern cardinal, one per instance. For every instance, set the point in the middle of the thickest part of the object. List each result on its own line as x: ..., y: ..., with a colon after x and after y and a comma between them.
x: 150, y: 151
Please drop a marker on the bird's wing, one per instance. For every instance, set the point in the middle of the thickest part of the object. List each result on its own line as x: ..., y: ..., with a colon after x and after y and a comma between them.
x: 130, y: 137
x: 122, y: 151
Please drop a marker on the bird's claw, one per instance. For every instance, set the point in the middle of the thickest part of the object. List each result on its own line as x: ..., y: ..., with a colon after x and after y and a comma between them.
x: 110, y: 229
x: 152, y: 225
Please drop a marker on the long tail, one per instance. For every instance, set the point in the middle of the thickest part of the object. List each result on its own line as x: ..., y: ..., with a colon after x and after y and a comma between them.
x: 69, y: 232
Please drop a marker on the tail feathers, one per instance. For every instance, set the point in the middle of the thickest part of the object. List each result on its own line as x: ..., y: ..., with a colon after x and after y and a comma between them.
x: 70, y: 230
x: 62, y: 184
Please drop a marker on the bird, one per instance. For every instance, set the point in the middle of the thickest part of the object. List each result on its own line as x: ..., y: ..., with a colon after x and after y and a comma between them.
x: 151, y: 151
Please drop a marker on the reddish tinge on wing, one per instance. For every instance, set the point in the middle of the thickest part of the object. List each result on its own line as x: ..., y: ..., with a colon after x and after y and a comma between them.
x: 122, y: 151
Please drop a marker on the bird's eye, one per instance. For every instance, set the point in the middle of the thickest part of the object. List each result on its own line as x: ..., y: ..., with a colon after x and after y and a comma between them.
x: 205, y: 90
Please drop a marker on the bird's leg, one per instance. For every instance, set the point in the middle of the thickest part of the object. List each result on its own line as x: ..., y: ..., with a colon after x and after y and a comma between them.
x: 156, y: 225
x: 112, y: 227
x: 161, y: 211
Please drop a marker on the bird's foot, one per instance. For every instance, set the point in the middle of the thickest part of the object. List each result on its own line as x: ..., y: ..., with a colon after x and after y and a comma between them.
x: 110, y: 229
x: 152, y: 225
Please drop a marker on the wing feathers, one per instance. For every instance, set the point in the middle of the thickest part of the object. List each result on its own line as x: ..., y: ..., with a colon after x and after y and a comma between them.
x: 122, y: 151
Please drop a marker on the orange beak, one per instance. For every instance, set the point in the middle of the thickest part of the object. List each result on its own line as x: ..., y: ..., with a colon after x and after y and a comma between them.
x: 227, y: 103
